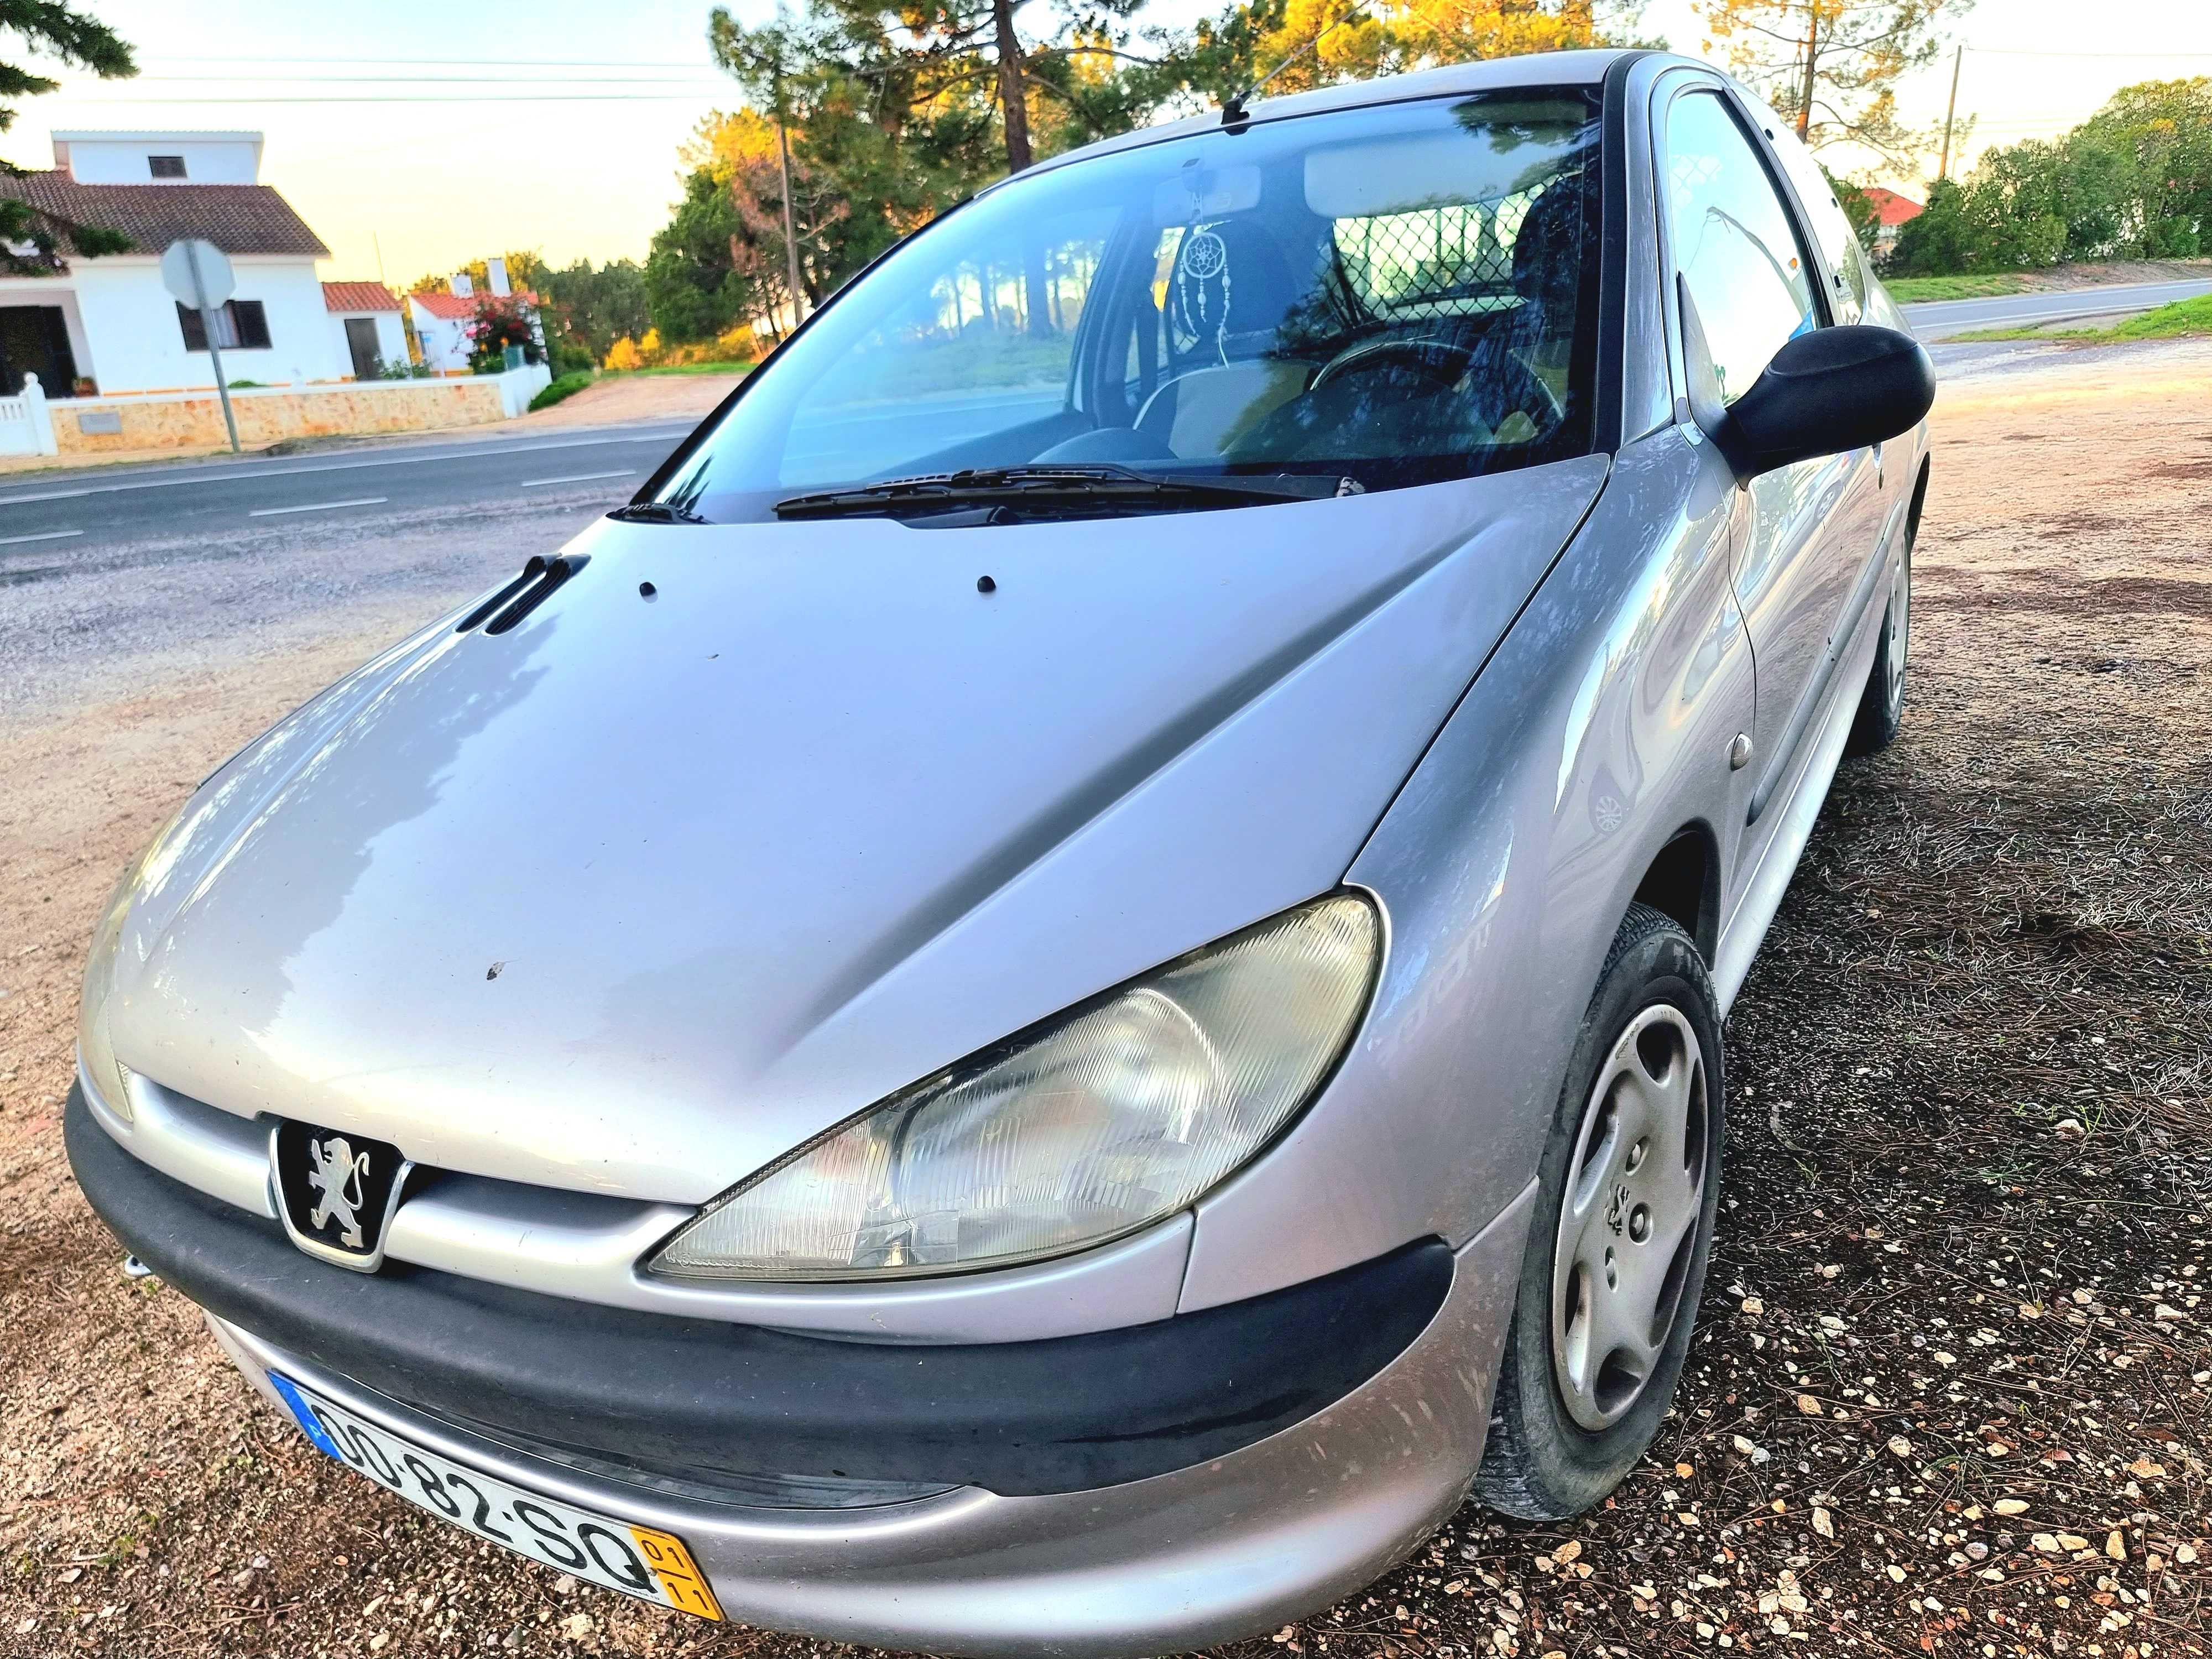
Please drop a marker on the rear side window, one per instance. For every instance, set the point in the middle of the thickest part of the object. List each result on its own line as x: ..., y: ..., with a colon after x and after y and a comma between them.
x: 1734, y: 242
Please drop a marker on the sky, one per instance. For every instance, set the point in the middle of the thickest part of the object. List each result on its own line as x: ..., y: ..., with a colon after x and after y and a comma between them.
x: 415, y: 136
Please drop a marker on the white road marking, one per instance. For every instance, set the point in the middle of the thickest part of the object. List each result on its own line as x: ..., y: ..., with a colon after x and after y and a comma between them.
x: 317, y: 507
x: 218, y: 472
x: 579, y: 477
x: 43, y: 536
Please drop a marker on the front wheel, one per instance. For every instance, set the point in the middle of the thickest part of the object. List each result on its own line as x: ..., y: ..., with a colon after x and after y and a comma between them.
x: 1881, y: 707
x: 1627, y: 1192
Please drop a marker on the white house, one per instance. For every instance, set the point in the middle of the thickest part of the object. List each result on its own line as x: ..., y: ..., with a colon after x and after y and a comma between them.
x: 366, y: 319
x: 107, y: 325
x: 441, y: 321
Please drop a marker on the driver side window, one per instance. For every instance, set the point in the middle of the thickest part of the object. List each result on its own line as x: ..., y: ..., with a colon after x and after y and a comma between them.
x: 1734, y: 242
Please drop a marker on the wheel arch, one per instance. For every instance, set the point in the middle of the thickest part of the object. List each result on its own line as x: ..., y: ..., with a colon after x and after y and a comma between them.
x: 1682, y: 882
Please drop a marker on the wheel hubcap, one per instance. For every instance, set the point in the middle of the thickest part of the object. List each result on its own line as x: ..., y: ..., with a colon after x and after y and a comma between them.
x: 1900, y: 606
x: 1628, y: 1230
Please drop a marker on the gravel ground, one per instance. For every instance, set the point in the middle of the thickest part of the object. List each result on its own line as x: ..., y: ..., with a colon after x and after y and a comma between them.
x: 1949, y: 1393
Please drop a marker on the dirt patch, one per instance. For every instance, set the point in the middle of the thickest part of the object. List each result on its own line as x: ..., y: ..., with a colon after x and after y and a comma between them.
x: 635, y: 398
x: 1949, y: 1390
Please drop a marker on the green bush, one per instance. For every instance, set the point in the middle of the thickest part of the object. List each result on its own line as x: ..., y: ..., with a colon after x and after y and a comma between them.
x: 566, y: 357
x: 566, y: 386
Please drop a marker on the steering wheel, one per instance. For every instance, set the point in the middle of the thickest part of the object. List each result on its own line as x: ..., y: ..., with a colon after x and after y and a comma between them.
x: 1510, y: 384
x: 1442, y: 360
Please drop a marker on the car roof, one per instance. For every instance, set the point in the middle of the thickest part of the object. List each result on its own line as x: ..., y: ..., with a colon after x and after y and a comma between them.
x: 1547, y: 68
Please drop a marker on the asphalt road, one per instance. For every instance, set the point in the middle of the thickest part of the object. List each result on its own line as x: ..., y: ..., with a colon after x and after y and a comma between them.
x: 48, y: 522
x: 1937, y: 319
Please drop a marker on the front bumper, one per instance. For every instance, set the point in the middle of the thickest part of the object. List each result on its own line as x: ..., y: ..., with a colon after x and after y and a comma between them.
x: 1094, y: 1495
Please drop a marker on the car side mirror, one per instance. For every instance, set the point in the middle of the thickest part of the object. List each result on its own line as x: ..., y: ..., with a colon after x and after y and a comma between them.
x: 1826, y: 391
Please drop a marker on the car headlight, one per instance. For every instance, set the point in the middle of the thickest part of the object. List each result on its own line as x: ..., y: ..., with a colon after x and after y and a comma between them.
x: 94, y: 1055
x: 1109, y: 1117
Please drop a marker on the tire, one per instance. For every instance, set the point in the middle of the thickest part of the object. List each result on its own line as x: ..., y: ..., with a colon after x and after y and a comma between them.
x: 1557, y: 1447
x: 1881, y: 705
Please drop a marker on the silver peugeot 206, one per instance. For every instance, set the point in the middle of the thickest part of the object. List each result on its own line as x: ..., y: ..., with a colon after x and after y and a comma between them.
x: 1072, y: 978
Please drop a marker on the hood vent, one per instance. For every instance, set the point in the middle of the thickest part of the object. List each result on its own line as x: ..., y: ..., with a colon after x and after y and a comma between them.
x: 509, y: 604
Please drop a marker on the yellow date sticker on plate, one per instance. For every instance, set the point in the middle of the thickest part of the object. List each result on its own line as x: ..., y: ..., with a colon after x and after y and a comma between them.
x: 679, y: 1575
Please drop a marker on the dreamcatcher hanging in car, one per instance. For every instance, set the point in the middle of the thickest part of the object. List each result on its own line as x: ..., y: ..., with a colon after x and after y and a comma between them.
x: 1199, y: 296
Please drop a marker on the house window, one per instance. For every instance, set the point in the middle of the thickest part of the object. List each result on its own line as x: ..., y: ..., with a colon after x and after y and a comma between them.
x: 240, y: 325
x: 167, y: 166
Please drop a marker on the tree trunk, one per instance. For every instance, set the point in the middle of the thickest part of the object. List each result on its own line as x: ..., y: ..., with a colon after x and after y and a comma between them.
x: 1812, y: 64
x: 1014, y: 100
x: 1013, y: 96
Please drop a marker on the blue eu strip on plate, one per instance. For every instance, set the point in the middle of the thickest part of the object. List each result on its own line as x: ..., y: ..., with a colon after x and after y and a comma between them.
x: 285, y: 1386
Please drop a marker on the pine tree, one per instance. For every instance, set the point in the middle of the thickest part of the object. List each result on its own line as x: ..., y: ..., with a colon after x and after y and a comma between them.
x: 1831, y: 67
x: 82, y: 42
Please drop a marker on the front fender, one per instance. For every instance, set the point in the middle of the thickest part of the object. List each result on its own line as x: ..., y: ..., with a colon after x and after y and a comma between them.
x: 1597, y: 731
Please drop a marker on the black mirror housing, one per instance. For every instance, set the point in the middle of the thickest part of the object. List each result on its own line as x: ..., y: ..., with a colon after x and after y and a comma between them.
x: 1826, y: 391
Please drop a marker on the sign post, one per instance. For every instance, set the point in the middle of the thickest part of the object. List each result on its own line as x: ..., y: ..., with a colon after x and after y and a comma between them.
x: 198, y: 273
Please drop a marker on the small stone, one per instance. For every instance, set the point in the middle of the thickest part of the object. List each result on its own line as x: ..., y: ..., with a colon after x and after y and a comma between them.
x: 1824, y: 1523
x: 1751, y: 1304
x: 1571, y: 1550
x: 2185, y: 1553
x: 1900, y: 1446
x: 1808, y: 1406
x: 381, y: 1640
x: 2116, y: 1547
x: 2010, y: 1506
x: 576, y: 1626
x: 1895, y: 1572
x: 2143, y: 1469
x: 2047, y: 1542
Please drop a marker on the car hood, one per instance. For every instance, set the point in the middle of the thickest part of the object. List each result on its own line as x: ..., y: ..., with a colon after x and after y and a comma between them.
x: 639, y: 895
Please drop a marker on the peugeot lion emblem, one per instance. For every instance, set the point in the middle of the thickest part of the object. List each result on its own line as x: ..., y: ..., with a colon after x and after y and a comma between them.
x: 338, y: 1168
x: 336, y: 1192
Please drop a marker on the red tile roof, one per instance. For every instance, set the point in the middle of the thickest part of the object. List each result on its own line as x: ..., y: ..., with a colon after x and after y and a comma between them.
x: 358, y: 296
x: 454, y: 309
x: 1893, y: 209
x: 236, y: 218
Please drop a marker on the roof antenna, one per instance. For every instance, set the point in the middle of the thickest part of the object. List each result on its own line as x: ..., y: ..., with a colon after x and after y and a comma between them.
x: 1234, y: 110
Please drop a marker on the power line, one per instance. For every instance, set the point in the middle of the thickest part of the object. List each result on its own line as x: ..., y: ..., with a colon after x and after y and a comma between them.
x: 424, y: 80
x: 442, y: 62
x: 384, y: 98
x: 2031, y: 51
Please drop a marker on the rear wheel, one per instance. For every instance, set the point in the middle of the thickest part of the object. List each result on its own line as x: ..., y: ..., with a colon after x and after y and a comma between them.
x: 1882, y: 707
x: 1616, y: 1259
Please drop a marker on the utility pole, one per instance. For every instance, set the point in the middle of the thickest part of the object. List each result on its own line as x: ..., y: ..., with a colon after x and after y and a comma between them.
x: 790, y: 235
x: 1957, y: 59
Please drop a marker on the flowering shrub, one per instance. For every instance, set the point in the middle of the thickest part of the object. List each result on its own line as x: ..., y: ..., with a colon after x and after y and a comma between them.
x: 624, y: 354
x: 500, y: 321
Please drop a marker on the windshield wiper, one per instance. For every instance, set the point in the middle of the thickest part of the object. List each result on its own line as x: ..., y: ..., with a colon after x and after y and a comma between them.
x: 1088, y: 485
x: 657, y: 512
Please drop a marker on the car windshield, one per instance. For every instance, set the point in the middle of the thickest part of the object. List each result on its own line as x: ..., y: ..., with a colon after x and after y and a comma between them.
x: 1384, y: 296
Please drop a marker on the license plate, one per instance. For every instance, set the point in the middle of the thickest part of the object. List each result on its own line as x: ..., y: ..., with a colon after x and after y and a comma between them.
x: 641, y: 1561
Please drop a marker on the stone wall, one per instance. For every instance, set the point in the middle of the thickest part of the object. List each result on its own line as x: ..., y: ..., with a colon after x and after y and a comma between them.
x: 265, y: 415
